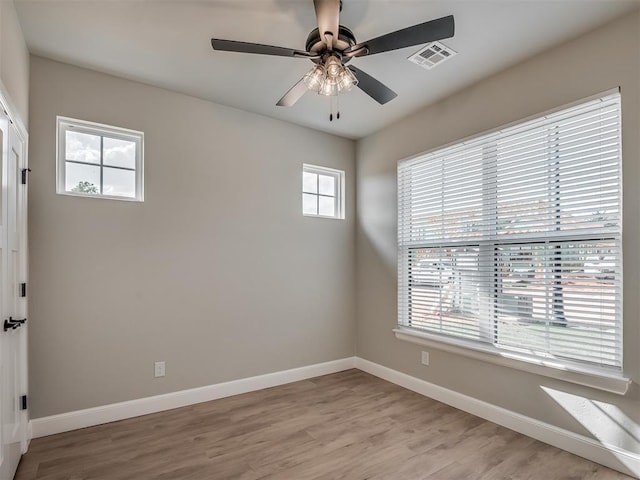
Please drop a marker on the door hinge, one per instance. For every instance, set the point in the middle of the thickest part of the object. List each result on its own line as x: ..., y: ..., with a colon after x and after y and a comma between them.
x: 24, y: 175
x: 23, y: 402
x: 23, y: 289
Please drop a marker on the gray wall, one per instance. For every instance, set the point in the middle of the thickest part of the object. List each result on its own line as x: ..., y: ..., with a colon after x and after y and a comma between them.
x: 14, y: 61
x: 603, y: 59
x: 217, y: 272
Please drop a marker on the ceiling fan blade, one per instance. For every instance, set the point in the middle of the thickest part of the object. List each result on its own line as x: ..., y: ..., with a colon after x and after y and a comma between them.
x: 245, y: 47
x: 372, y: 87
x: 328, y: 15
x: 294, y: 94
x: 422, y: 33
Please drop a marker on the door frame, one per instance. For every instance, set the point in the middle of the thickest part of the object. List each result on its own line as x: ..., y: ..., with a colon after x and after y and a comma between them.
x: 12, y: 113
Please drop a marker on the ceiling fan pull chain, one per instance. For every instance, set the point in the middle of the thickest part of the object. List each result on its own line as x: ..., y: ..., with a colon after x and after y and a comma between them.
x: 331, y: 109
x: 334, y: 103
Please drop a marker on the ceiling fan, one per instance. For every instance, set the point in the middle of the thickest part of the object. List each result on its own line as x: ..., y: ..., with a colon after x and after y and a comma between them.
x: 331, y: 46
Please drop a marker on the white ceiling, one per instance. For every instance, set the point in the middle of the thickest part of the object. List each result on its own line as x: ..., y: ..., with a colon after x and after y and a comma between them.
x: 167, y: 44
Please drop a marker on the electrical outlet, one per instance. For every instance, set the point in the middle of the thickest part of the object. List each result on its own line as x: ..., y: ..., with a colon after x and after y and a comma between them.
x: 158, y: 369
x: 425, y: 358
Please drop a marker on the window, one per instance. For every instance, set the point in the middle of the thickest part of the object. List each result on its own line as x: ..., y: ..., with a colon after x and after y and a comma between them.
x: 322, y: 192
x: 99, y: 161
x: 512, y: 240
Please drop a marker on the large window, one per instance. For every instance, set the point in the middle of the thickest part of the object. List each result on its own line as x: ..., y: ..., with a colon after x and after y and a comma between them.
x: 512, y: 240
x: 99, y: 160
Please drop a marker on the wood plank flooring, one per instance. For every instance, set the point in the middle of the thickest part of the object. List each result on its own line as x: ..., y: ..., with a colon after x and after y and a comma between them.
x: 349, y: 425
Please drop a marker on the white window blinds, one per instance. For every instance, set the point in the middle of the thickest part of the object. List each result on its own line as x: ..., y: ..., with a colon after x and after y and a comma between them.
x: 514, y: 238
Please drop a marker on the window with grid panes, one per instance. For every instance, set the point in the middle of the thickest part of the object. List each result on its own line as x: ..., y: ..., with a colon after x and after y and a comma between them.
x: 322, y: 192
x: 99, y: 160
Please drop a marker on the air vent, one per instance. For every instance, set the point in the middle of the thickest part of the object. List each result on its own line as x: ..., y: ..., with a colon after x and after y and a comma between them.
x: 433, y: 54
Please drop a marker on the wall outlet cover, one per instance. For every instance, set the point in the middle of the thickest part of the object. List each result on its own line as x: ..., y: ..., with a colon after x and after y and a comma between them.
x: 425, y: 358
x: 159, y: 369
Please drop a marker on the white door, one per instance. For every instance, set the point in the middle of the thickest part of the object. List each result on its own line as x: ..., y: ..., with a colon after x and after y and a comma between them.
x: 13, y: 333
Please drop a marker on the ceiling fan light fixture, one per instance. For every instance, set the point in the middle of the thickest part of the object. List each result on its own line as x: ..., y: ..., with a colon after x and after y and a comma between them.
x: 330, y: 78
x: 315, y: 78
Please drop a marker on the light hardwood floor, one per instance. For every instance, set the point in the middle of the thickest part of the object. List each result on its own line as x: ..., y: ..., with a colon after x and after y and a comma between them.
x: 348, y: 425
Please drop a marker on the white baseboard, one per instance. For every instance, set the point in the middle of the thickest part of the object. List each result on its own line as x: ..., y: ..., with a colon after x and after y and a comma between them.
x: 609, y: 455
x: 41, y: 427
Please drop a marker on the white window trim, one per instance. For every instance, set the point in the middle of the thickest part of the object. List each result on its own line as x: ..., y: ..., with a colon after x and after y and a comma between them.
x: 83, y: 126
x: 590, y: 376
x: 340, y: 188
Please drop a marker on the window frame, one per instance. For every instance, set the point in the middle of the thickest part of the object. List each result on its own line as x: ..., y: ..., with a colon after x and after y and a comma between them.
x: 64, y: 124
x: 339, y: 184
x: 590, y: 375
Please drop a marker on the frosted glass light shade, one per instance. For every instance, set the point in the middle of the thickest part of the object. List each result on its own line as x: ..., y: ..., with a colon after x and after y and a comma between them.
x: 346, y: 80
x: 314, y: 78
x: 329, y: 87
x: 333, y: 67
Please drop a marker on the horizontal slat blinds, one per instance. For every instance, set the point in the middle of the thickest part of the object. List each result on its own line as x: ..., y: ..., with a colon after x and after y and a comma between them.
x: 514, y: 238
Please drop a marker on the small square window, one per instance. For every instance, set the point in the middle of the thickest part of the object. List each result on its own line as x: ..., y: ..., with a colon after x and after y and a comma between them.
x: 100, y: 161
x: 322, y: 192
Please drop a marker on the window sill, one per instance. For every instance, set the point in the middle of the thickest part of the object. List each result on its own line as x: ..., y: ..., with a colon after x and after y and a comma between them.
x: 102, y: 197
x: 330, y: 217
x: 548, y: 368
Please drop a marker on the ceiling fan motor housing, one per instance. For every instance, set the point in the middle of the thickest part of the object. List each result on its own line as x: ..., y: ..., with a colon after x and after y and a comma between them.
x: 315, y: 44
